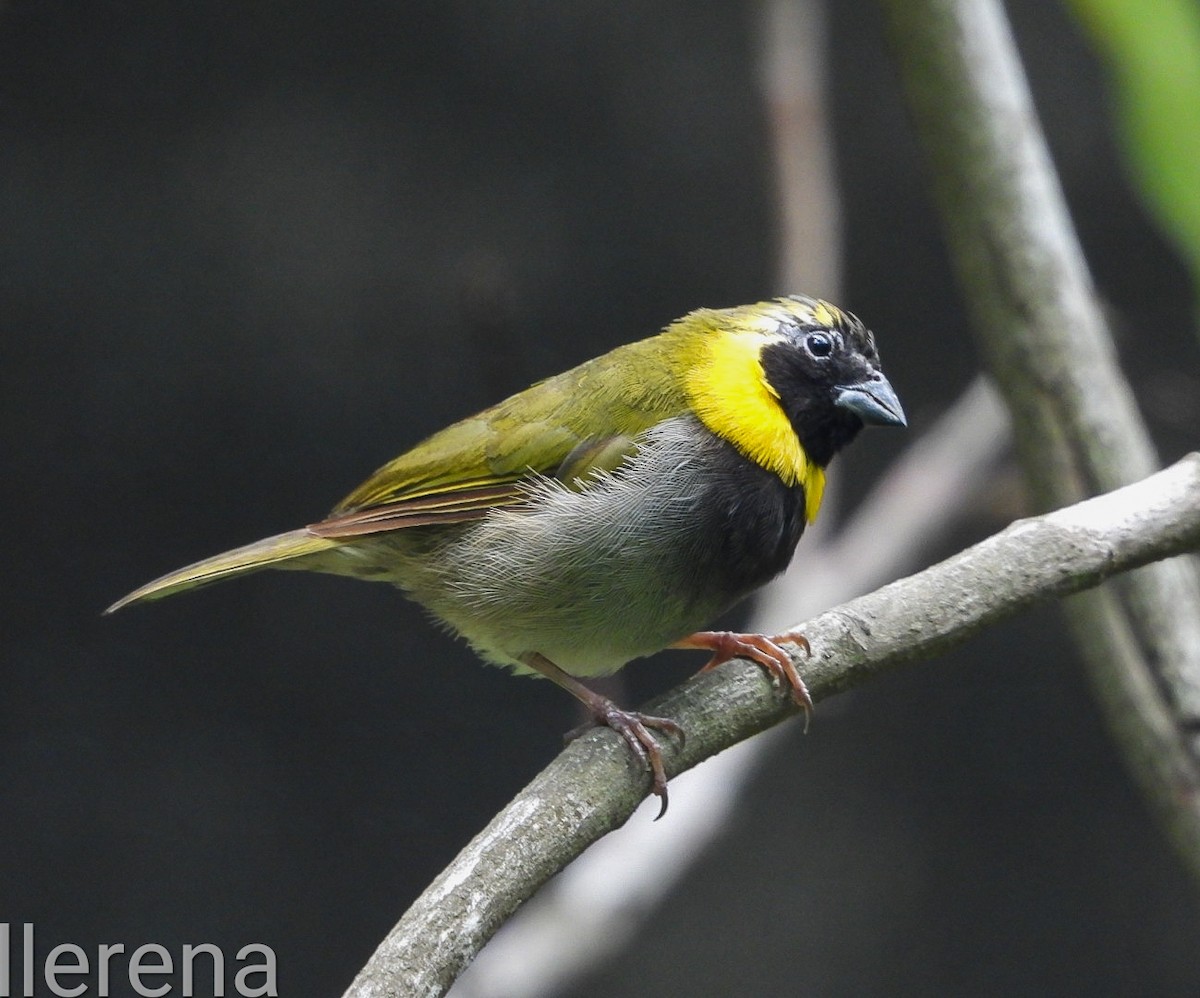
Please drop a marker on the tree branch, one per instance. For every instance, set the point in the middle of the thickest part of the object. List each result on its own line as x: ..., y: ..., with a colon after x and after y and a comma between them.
x: 1037, y: 320
x: 591, y: 787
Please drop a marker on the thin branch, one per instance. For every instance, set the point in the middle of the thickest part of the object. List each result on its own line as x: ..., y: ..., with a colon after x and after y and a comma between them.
x: 591, y: 788
x: 1037, y: 319
x: 794, y: 82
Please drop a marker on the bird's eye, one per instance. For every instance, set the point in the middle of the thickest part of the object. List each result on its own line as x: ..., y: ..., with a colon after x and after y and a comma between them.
x: 819, y: 344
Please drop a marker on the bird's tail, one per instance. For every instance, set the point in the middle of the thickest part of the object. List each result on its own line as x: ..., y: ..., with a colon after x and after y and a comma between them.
x: 270, y: 552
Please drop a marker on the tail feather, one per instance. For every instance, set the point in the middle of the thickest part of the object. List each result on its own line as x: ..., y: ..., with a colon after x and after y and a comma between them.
x: 268, y: 552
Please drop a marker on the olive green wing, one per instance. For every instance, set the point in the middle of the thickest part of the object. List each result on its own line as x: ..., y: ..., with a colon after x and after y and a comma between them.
x: 567, y: 426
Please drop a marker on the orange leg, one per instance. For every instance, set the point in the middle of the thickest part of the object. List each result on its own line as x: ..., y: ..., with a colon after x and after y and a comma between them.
x: 630, y: 725
x: 765, y: 651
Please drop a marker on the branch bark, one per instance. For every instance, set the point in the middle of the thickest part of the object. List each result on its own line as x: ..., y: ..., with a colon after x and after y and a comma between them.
x: 591, y: 787
x: 1040, y: 326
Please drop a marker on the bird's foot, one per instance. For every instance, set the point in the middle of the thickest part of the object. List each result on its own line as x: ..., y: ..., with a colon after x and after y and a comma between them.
x: 634, y: 727
x: 763, y: 650
x: 629, y: 724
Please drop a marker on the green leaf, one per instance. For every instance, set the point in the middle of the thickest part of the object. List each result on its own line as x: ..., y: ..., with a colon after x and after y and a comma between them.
x: 1152, y: 50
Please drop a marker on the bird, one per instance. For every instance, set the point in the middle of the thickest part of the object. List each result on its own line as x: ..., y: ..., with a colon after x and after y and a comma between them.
x: 615, y: 509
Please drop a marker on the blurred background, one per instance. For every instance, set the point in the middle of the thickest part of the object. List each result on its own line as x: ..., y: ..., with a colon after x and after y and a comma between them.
x: 250, y: 252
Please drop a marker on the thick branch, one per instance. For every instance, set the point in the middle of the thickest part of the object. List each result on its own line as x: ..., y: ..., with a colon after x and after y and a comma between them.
x: 1037, y: 320
x: 591, y: 787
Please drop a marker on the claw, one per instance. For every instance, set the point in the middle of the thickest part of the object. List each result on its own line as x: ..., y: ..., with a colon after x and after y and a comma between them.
x: 633, y: 727
x: 763, y: 650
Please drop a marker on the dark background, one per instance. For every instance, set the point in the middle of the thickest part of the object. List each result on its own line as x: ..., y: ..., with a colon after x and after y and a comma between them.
x: 250, y: 252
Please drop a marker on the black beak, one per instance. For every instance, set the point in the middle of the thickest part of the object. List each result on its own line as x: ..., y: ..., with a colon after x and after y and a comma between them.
x: 873, y: 401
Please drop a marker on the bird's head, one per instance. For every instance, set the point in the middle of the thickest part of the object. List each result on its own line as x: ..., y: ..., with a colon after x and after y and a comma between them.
x: 789, y: 382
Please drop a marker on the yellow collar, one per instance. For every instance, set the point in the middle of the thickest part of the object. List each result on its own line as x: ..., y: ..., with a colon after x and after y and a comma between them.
x: 728, y: 390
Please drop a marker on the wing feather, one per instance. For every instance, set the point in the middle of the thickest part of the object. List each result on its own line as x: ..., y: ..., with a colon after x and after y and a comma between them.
x: 440, y: 508
x: 479, y: 463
